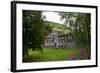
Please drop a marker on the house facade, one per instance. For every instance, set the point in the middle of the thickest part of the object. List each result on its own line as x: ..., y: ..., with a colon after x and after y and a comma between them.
x: 56, y: 40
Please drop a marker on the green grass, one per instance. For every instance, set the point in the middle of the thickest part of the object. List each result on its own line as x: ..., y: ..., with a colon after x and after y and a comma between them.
x: 53, y: 55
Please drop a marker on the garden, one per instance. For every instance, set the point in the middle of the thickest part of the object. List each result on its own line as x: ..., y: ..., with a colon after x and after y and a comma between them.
x: 37, y: 25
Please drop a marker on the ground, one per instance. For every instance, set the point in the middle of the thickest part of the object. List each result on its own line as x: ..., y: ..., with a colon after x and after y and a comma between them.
x: 55, y: 55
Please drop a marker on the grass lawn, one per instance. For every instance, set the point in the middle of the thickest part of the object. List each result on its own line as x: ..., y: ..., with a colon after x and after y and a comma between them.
x: 53, y: 55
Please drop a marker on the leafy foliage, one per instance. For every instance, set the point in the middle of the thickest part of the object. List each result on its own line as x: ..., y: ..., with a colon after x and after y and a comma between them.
x: 34, y: 31
x: 80, y: 27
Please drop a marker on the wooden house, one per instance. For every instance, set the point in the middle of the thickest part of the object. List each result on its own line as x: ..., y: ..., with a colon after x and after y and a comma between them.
x: 59, y: 39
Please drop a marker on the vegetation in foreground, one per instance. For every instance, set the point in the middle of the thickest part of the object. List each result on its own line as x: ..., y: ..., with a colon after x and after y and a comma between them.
x: 56, y: 55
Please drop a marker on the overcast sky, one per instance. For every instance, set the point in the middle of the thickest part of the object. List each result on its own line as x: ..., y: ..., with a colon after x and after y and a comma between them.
x: 52, y: 16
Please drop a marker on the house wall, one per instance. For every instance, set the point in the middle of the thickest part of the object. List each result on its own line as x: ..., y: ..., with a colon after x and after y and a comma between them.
x: 54, y: 40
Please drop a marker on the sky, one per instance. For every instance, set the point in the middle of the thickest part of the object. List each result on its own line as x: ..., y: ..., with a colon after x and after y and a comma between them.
x: 52, y: 16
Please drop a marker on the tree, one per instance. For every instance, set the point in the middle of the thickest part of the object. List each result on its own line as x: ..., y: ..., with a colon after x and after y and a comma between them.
x: 33, y: 31
x: 80, y: 27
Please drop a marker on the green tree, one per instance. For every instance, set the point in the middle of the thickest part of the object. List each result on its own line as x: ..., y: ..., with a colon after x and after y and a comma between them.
x: 80, y: 27
x: 34, y: 31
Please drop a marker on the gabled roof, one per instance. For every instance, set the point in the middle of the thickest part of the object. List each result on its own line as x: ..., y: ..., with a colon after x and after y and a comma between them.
x: 62, y: 31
